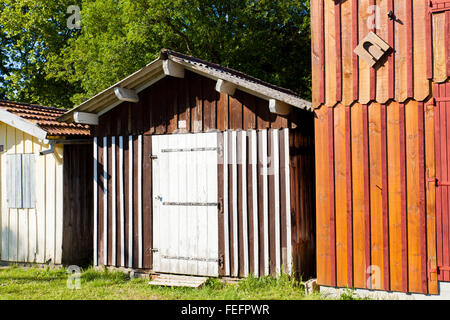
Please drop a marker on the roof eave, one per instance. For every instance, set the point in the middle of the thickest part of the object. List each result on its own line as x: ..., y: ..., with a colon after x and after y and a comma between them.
x: 255, y: 89
x: 153, y: 72
x: 24, y: 125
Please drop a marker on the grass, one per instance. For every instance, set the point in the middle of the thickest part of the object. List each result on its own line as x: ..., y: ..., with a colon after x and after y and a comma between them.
x: 51, y: 284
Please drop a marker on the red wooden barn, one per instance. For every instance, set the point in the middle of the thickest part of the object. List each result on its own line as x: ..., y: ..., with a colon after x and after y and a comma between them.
x: 381, y: 95
x: 201, y: 170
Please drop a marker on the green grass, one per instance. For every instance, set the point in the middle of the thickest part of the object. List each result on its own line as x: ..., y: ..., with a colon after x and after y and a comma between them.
x: 51, y: 284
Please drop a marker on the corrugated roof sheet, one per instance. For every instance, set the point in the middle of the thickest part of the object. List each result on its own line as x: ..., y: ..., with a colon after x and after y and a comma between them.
x: 45, y: 118
x: 229, y: 71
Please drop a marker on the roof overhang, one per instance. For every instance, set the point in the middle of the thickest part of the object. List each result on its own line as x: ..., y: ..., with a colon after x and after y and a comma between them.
x: 24, y: 125
x: 170, y: 65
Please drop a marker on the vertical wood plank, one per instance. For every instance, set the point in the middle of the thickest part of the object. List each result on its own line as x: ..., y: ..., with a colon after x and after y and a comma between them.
x: 244, y: 211
x: 401, y: 50
x: 412, y: 196
x: 317, y: 52
x: 367, y: 194
x: 382, y: 71
x: 376, y: 201
x: 226, y: 202
x: 147, y: 194
x: 4, y: 201
x: 114, y: 201
x: 347, y: 52
x: 421, y: 82
x: 364, y: 69
x: 403, y: 181
x: 341, y: 196
x: 235, y: 203
x: 276, y: 174
x: 338, y: 39
x: 409, y: 47
x: 254, y: 168
x: 95, y: 240
x: 394, y: 196
x: 140, y: 211
x: 264, y: 150
x: 349, y: 194
x: 58, y: 194
x: 330, y: 54
x: 50, y: 214
x: 385, y: 197
x: 130, y: 201
x: 422, y: 201
x: 355, y: 42
x: 323, y: 196
x: 332, y: 199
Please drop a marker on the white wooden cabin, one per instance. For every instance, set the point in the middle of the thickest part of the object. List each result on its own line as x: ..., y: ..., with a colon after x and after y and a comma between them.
x: 37, y: 226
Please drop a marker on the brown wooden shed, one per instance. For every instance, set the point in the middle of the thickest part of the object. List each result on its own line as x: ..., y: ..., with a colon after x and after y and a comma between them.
x: 201, y: 170
x: 381, y: 95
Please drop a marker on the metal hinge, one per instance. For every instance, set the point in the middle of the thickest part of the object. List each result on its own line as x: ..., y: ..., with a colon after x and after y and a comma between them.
x: 153, y: 157
x: 154, y: 250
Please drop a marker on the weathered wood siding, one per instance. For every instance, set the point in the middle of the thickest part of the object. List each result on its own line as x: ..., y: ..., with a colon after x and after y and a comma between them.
x: 191, y: 105
x: 419, y: 36
x: 32, y: 235
x: 375, y: 143
x: 78, y: 205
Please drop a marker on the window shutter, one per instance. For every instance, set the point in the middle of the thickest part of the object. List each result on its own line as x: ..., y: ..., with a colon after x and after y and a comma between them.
x: 20, y: 181
x: 28, y: 185
x: 14, y: 177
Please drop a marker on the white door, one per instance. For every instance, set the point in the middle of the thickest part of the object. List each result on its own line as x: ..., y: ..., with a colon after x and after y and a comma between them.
x: 185, y: 204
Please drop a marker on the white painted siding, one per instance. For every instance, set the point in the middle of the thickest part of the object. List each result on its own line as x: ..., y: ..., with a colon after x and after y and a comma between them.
x: 32, y: 235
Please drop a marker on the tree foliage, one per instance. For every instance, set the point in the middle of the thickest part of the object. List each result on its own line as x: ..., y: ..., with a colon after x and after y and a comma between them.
x: 52, y: 65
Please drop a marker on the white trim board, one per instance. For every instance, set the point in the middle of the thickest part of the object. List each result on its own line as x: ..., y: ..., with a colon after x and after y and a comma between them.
x: 23, y: 125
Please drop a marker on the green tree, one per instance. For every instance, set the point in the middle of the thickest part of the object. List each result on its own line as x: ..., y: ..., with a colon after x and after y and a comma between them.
x: 266, y: 39
x: 31, y: 31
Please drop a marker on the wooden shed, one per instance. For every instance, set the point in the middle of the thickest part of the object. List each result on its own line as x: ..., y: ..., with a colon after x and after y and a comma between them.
x: 46, y: 189
x: 201, y: 170
x: 381, y: 95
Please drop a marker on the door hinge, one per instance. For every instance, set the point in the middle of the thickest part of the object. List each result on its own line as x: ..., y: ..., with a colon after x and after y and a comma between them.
x: 153, y: 157
x: 154, y: 250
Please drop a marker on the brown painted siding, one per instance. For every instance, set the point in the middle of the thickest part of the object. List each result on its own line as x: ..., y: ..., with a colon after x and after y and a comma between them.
x: 78, y: 205
x: 194, y: 100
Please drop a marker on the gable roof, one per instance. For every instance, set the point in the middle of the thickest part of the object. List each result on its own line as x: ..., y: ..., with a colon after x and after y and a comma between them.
x: 154, y: 71
x: 39, y: 121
